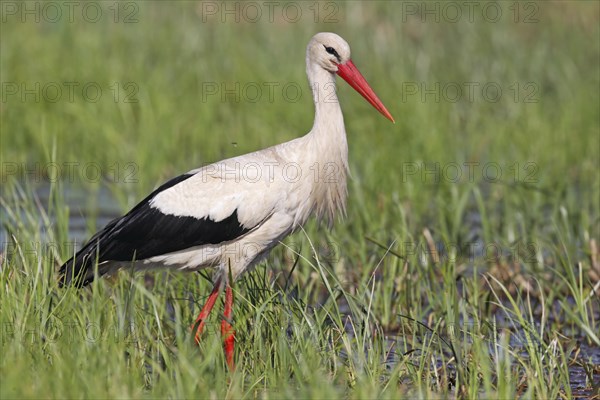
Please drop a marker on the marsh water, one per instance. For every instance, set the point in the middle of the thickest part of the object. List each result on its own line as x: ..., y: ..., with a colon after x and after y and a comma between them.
x: 89, y: 215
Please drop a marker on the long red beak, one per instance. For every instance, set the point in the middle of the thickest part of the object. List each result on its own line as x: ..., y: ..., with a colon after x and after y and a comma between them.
x: 352, y: 75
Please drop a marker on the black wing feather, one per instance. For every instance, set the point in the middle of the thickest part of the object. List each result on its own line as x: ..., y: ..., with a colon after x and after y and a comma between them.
x: 146, y: 232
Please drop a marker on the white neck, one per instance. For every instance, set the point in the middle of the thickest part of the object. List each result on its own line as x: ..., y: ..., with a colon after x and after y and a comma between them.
x: 329, y: 145
x: 328, y: 114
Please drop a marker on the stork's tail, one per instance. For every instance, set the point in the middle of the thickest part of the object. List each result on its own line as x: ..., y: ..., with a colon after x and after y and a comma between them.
x: 79, y: 269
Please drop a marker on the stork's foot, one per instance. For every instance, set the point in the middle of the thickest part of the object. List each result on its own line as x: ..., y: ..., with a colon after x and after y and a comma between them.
x: 227, y: 331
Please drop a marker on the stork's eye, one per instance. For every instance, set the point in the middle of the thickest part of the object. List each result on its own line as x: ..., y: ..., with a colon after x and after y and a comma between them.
x: 332, y: 51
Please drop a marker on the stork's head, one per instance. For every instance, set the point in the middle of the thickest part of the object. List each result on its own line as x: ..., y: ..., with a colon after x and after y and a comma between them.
x: 328, y: 50
x: 332, y: 53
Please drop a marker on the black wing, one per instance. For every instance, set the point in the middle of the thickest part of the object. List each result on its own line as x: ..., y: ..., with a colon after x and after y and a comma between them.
x: 146, y: 232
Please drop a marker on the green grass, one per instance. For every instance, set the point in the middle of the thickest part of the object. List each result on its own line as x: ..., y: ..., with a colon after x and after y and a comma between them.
x: 396, y: 300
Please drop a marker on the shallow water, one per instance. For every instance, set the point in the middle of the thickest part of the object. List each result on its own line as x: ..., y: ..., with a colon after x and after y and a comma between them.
x: 86, y: 216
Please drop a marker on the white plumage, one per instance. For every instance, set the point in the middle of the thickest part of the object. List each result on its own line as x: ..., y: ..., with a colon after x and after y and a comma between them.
x: 229, y: 214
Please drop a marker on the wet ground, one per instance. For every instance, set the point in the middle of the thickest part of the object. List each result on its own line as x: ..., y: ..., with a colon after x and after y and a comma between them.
x: 85, y: 215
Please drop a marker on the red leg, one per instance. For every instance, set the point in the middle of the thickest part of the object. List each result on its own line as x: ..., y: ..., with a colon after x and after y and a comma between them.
x: 204, y: 313
x: 227, y: 331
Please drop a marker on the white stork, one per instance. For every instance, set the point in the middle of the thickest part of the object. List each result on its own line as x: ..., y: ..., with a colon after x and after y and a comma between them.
x: 230, y: 214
